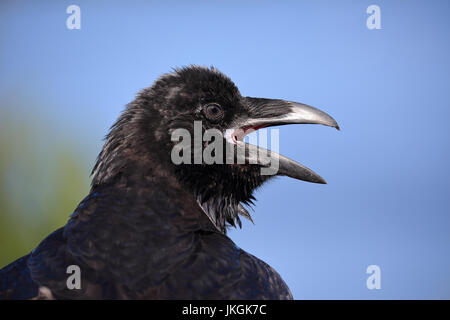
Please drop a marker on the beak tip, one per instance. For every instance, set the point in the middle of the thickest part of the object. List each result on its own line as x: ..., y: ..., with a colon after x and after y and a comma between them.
x: 333, y: 123
x: 316, y: 179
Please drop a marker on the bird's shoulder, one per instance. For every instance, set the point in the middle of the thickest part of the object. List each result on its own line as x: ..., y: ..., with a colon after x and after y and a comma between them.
x: 219, y: 269
x: 16, y: 282
x: 40, y: 274
x: 49, y: 262
x: 261, y: 280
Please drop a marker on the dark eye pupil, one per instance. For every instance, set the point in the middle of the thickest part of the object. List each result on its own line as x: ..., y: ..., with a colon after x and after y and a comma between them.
x: 213, y: 112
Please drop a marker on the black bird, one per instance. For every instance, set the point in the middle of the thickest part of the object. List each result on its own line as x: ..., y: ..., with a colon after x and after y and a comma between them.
x: 154, y: 229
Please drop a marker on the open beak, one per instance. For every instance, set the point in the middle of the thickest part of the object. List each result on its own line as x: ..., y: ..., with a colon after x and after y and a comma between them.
x: 273, y: 112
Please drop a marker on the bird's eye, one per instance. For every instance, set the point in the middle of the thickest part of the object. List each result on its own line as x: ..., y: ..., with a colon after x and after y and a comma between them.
x: 213, y: 112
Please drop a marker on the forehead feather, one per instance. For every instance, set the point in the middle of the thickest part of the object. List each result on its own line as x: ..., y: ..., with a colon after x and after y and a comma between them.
x: 207, y: 81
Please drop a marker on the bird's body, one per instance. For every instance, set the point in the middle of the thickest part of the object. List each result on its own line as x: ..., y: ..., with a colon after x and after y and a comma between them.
x: 129, y: 247
x: 150, y: 229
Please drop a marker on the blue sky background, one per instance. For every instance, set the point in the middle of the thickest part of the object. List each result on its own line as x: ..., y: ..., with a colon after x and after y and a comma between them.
x: 387, y: 201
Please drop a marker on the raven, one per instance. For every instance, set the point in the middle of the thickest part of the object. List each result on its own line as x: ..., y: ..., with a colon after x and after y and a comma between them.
x: 153, y: 229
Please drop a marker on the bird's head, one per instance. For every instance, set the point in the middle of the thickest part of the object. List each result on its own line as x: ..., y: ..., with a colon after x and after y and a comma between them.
x: 192, y: 122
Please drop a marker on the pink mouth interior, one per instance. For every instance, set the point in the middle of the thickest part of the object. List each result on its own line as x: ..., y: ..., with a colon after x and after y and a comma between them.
x: 239, y: 134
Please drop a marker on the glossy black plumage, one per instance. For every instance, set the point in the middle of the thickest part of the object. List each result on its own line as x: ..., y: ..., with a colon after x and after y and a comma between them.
x: 150, y: 229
